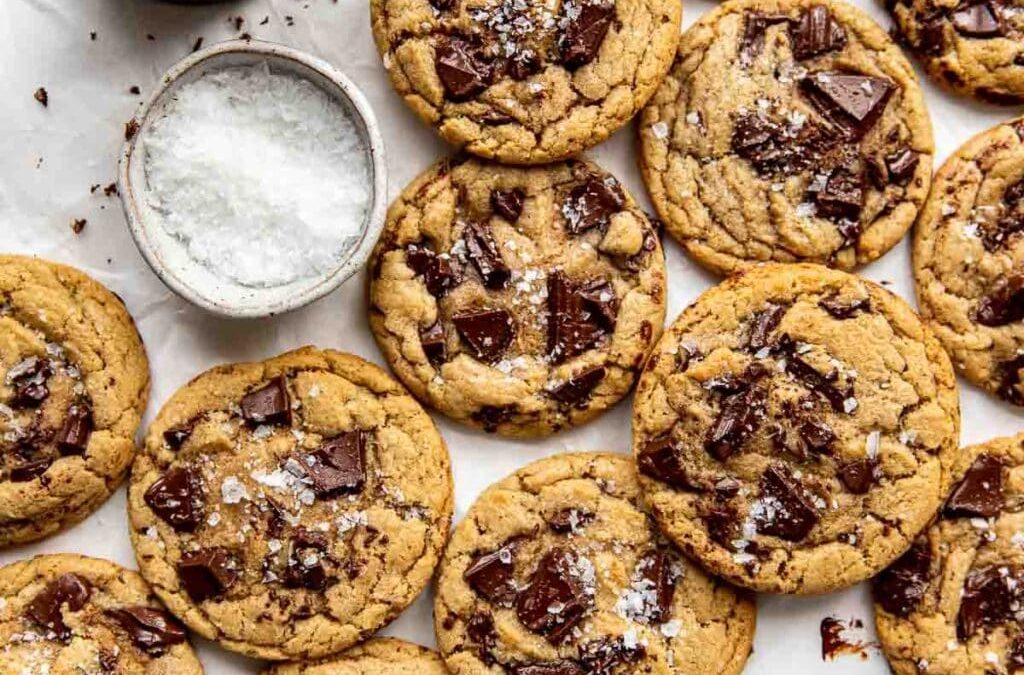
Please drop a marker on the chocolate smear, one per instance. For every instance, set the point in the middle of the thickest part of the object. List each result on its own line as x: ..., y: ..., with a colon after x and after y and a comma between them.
x: 483, y: 251
x: 177, y: 498
x: 980, y: 493
x: 900, y: 588
x: 270, y: 404
x: 555, y: 600
x: 47, y: 608
x: 489, y: 332
x: 461, y: 67
x: 577, y: 388
x: 586, y: 28
x: 151, y: 630
x: 787, y: 510
x: 207, y: 573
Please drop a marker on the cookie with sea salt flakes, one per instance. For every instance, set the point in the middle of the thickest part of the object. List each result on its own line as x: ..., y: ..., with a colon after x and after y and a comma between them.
x: 951, y: 605
x: 68, y: 614
x: 526, y: 81
x: 795, y: 428
x: 74, y: 382
x: 380, y: 656
x: 969, y: 260
x: 290, y: 508
x: 517, y: 300
x: 559, y: 570
x: 787, y: 131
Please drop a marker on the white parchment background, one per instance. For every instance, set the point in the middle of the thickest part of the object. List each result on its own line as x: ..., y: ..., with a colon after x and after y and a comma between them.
x: 49, y: 158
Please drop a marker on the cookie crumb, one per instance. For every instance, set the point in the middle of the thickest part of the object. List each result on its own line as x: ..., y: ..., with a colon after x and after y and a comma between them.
x: 42, y: 96
x: 78, y: 224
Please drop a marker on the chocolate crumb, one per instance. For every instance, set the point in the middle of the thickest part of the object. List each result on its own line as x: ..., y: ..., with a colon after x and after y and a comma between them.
x: 92, y: 35
x: 198, y: 44
x: 131, y: 128
x: 42, y: 96
x: 78, y: 224
x: 134, y: 89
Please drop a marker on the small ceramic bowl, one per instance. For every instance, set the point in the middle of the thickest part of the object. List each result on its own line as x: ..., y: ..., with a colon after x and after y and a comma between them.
x: 168, y: 256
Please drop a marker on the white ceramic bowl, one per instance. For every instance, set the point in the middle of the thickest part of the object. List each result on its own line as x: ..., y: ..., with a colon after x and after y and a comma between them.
x: 168, y: 256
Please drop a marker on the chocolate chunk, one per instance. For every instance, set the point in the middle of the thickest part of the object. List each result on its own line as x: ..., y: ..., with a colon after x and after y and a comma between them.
x: 843, y: 309
x: 727, y: 488
x: 269, y: 404
x: 591, y: 204
x: 991, y: 596
x: 442, y: 5
x: 980, y: 493
x: 508, y: 203
x: 656, y: 568
x: 434, y: 344
x: 855, y: 102
x: 994, y: 235
x: 603, y: 656
x: 492, y: 416
x: 978, y: 20
x: 176, y: 436
x: 486, y: 257
x: 816, y: 33
x: 900, y: 588
x: 817, y: 383
x: 438, y: 274
x: 788, y: 512
x: 480, y: 629
x: 577, y: 388
x: 662, y: 460
x: 151, y: 630
x: 338, y: 466
x: 842, y: 196
x: 902, y: 165
x: 563, y: 667
x: 765, y: 321
x: 752, y: 43
x: 586, y: 28
x: 1014, y: 194
x: 28, y: 379
x: 489, y: 332
x: 570, y: 520
x: 491, y: 574
x: 73, y: 438
x: 722, y: 524
x: 305, y: 567
x: 773, y: 148
x: 47, y: 608
x: 177, y: 498
x: 816, y: 435
x: 523, y: 64
x: 1010, y: 382
x: 739, y: 416
x: 555, y: 600
x: 1004, y: 304
x: 572, y: 327
x: 931, y: 37
x: 859, y: 475
x: 26, y: 471
x: 1015, y: 657
x: 599, y: 299
x: 207, y: 573
x: 462, y: 68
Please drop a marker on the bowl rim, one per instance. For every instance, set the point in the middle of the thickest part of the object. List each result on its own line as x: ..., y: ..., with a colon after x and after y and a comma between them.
x: 372, y: 226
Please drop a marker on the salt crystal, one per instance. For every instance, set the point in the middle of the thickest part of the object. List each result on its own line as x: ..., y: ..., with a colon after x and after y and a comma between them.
x: 660, y: 130
x: 232, y: 491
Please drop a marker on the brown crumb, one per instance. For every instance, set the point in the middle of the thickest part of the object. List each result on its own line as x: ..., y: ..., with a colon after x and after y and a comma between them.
x: 110, y: 190
x: 238, y: 21
x: 42, y: 96
x: 131, y: 128
x: 244, y: 36
x: 78, y: 224
x: 265, y: 21
x: 134, y: 89
x: 198, y: 45
x: 92, y: 36
x: 94, y: 188
x: 289, y: 20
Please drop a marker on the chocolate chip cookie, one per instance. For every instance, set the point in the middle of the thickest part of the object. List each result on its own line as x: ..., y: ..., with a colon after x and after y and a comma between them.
x: 951, y: 605
x: 973, y: 47
x: 787, y: 131
x: 969, y: 260
x: 525, y: 81
x: 795, y: 428
x: 74, y: 382
x: 290, y: 508
x: 559, y: 570
x: 65, y: 614
x: 517, y: 300
x: 380, y: 656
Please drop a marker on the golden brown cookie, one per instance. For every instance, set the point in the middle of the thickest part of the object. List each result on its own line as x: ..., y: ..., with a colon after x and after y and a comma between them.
x: 290, y: 508
x: 75, y: 382
x: 559, y: 570
x: 72, y: 615
x: 951, y: 605
x: 974, y: 48
x: 787, y: 131
x: 517, y: 300
x: 524, y: 81
x: 969, y: 259
x: 380, y: 656
x: 795, y: 428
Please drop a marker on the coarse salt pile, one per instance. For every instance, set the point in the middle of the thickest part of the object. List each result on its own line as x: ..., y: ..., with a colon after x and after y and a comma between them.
x: 261, y: 175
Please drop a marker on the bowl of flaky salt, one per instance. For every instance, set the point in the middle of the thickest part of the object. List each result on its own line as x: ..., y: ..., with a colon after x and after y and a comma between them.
x: 254, y: 179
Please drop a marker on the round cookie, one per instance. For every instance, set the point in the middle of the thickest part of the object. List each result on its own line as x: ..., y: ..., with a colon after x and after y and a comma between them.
x: 74, y: 382
x: 951, y: 604
x: 973, y: 48
x: 290, y: 508
x: 72, y: 615
x: 787, y: 131
x: 525, y: 81
x: 559, y: 570
x: 969, y: 259
x: 380, y: 656
x: 517, y: 300
x: 795, y: 428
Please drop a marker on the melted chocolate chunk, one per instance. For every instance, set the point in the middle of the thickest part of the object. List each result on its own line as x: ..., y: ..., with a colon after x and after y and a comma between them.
x: 740, y: 415
x: 563, y: 667
x: 28, y: 379
x: 26, y: 471
x: 305, y: 567
x: 176, y: 436
x: 177, y: 498
x: 578, y: 315
x: 492, y: 416
x: 854, y: 102
x: 489, y: 332
x: 841, y: 197
x: 1004, y: 304
x: 555, y: 600
x: 816, y: 33
x: 438, y: 274
x: 978, y: 20
x: 994, y: 235
x: 491, y: 575
x: 788, y: 511
x: 601, y: 657
x: 462, y: 68
x: 817, y: 383
x: 754, y: 31
x: 508, y: 203
x: 269, y: 404
x: 434, y: 344
x: 859, y: 475
x: 73, y: 438
x: 900, y: 588
x: 338, y: 466
x: 1008, y: 385
x: 775, y: 149
x: 585, y: 31
x: 570, y: 520
x: 207, y: 573
x: 577, y: 388
x: 523, y: 64
x: 991, y: 596
x: 980, y: 493
x: 764, y: 323
x: 486, y: 257
x: 816, y: 435
x: 151, y: 630
x: 901, y: 165
x: 656, y: 568
x: 727, y: 488
x: 721, y: 523
x: 599, y: 299
x: 1015, y: 658
x: 661, y: 459
x: 591, y: 204
x: 480, y: 629
x: 842, y: 309
x: 47, y: 608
